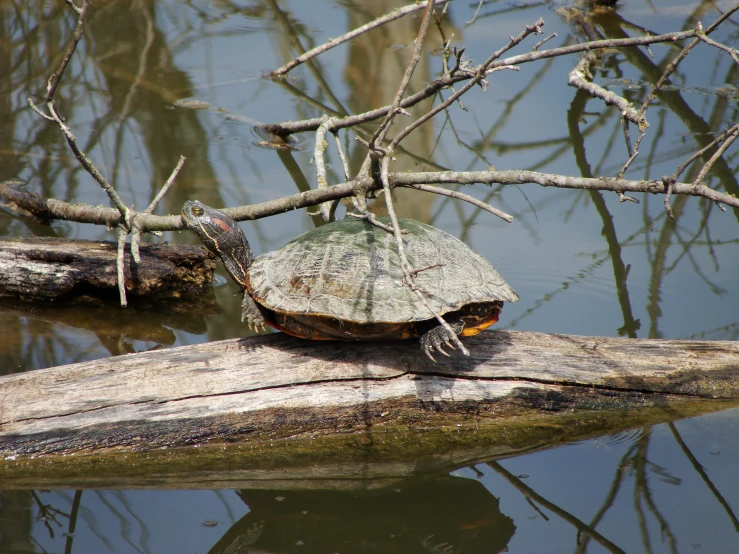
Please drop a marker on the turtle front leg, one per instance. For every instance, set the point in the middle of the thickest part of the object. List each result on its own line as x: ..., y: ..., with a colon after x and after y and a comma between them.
x: 251, y: 314
x: 436, y: 337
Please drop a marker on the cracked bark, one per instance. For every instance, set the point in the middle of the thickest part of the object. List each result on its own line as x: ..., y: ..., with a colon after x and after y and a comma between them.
x: 275, y: 387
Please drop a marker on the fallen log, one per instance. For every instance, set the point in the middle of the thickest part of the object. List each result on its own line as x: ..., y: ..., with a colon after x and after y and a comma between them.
x: 33, y: 268
x: 285, y: 402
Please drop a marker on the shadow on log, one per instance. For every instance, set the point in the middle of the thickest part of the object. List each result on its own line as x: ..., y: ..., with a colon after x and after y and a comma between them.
x: 273, y: 407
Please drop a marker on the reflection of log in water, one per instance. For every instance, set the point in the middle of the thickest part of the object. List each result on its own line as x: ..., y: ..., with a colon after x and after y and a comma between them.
x: 341, y: 402
x: 445, y: 514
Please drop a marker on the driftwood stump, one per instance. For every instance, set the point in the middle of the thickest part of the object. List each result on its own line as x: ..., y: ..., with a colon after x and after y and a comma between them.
x: 34, y: 268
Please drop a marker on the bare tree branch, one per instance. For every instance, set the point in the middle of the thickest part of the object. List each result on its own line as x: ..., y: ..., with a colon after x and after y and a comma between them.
x: 731, y: 51
x: 382, y: 130
x: 393, y: 15
x: 290, y: 127
x: 581, y: 77
x: 731, y: 137
x: 48, y: 208
x: 136, y: 233
x: 672, y: 66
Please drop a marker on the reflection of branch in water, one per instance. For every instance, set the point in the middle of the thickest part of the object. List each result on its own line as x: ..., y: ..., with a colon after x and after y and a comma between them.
x: 92, y: 524
x: 686, y: 246
x: 226, y: 505
x: 727, y: 332
x: 702, y: 472
x: 537, y: 509
x: 125, y: 525
x: 571, y: 280
x: 47, y: 513
x: 509, y: 105
x: 145, y: 534
x: 528, y: 492
x: 610, y: 498
x: 641, y: 491
x: 620, y: 271
x: 73, y: 521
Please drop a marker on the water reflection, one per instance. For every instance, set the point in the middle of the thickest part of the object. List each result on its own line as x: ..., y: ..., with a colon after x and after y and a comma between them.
x: 444, y: 514
x: 666, y: 488
x: 144, y: 67
x: 87, y: 327
x: 670, y: 488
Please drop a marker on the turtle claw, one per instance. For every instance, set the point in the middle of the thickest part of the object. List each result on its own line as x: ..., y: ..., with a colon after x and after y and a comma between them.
x: 440, y: 349
x: 437, y: 338
x: 251, y: 315
x: 256, y: 326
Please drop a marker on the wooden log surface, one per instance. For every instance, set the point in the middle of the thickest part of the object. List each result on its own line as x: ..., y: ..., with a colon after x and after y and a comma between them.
x: 279, y: 412
x: 35, y: 268
x: 276, y: 386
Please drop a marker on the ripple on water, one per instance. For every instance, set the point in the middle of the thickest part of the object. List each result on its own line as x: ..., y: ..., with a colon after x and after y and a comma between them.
x: 592, y: 281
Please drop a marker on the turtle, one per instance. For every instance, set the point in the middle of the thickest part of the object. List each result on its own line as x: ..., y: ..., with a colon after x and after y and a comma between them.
x: 343, y: 281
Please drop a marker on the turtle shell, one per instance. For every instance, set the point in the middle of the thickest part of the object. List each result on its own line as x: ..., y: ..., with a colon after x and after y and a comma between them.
x: 350, y: 270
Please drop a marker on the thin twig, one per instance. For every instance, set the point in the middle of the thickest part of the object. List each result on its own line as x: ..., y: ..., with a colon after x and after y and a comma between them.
x: 669, y: 184
x: 542, y: 42
x: 444, y: 105
x: 137, y: 230
x: 731, y: 51
x: 318, y: 151
x: 382, y: 130
x: 474, y: 16
x: 342, y: 156
x: 377, y: 138
x: 51, y: 87
x: 672, y: 66
x: 36, y: 109
x: 89, y: 166
x: 120, y: 264
x: 406, y: 266
x: 479, y: 75
x: 732, y: 136
x: 393, y: 15
x: 73, y: 6
x: 679, y: 171
x: 369, y: 216
x: 466, y: 198
x: 56, y: 77
x: 635, y: 152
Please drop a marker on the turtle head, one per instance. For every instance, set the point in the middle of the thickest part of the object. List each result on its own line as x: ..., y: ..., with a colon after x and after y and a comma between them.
x: 222, y: 236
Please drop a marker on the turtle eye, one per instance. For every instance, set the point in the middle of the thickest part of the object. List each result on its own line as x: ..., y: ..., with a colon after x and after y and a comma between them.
x: 197, y: 211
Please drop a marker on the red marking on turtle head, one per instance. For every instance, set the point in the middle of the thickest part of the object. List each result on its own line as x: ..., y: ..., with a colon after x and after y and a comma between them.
x: 221, y: 224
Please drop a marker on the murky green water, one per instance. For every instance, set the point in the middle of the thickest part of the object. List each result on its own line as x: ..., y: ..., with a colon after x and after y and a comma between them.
x: 582, y: 262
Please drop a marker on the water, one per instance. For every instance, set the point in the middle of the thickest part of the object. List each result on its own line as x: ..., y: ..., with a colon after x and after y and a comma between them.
x: 156, y: 80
